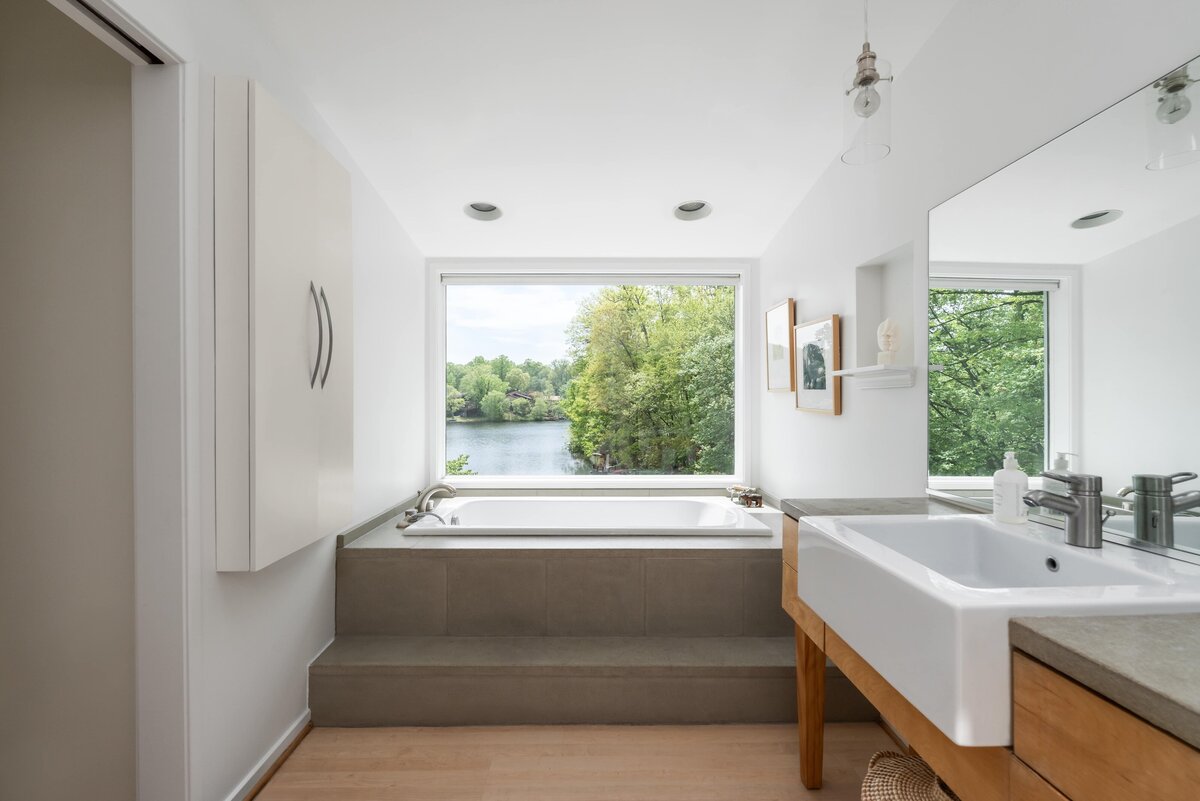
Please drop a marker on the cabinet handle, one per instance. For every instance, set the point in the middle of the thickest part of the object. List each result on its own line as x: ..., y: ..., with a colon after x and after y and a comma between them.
x: 329, y: 355
x: 312, y: 290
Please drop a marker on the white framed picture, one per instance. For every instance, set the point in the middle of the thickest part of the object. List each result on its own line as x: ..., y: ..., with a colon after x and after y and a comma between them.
x: 818, y: 346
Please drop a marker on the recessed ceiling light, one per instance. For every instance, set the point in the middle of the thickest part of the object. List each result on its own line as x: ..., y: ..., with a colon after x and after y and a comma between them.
x: 1098, y: 218
x: 693, y: 210
x: 482, y: 211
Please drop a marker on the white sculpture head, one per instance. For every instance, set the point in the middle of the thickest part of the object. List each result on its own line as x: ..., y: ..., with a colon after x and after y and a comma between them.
x: 888, y: 336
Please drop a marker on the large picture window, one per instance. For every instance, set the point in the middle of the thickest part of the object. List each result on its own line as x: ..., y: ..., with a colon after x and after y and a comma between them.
x: 604, y: 377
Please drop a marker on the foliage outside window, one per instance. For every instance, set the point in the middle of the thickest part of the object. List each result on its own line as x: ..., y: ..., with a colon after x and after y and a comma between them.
x: 991, y: 395
x: 639, y: 380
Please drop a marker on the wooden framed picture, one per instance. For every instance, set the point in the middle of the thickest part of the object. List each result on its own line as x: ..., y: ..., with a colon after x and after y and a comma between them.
x: 818, y: 346
x: 781, y: 362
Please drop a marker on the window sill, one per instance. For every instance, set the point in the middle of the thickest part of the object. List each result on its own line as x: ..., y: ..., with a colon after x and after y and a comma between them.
x: 614, y: 484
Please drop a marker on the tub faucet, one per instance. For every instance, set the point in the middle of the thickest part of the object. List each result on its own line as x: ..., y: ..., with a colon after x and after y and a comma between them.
x: 1154, y: 506
x: 1081, y: 505
x: 412, y: 515
x: 429, y: 494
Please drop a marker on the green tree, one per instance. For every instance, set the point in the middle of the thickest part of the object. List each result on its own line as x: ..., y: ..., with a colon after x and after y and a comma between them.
x: 990, y: 397
x: 540, y: 410
x: 458, y: 466
x: 454, y: 374
x: 501, y: 365
x: 559, y: 375
x: 517, y: 379
x: 478, y: 381
x: 494, y: 405
x: 652, y: 387
x: 455, y: 402
x: 520, y: 408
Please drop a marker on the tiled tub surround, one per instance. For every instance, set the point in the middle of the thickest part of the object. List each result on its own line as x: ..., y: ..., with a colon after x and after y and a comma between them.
x: 560, y: 592
x: 494, y: 635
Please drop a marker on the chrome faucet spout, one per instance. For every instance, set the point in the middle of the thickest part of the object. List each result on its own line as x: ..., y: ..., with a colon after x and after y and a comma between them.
x: 425, y: 501
x: 1051, y: 500
x: 1185, y: 500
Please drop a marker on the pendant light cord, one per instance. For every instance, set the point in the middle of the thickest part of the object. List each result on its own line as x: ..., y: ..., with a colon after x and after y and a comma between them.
x: 866, y: 34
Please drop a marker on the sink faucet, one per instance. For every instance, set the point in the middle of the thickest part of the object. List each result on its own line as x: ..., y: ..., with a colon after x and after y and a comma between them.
x: 1081, y: 505
x: 1154, y: 506
x: 427, y: 496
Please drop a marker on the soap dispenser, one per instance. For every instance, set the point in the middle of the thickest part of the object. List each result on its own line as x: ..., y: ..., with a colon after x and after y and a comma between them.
x: 1008, y: 491
x: 1062, y: 464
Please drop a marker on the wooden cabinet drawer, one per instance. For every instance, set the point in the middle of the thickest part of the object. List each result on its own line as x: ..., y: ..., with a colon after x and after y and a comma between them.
x: 1090, y: 748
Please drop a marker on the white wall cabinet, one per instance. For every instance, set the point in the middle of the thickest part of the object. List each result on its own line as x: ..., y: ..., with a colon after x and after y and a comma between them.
x: 283, y: 335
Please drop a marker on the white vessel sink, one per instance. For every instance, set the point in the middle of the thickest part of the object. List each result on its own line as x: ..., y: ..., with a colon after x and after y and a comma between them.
x: 927, y: 600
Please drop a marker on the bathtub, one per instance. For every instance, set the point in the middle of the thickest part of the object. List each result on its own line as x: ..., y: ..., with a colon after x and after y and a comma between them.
x: 592, y: 516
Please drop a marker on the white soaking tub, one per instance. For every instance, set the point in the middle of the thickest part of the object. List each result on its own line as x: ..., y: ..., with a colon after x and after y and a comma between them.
x: 591, y: 516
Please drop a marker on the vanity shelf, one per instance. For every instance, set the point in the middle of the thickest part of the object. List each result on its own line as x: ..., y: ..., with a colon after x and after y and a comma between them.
x: 881, y: 376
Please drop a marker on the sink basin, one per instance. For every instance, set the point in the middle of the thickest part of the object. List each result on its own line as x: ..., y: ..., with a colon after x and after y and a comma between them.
x: 927, y: 600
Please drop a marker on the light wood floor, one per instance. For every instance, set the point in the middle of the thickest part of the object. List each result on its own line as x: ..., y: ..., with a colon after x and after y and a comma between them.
x: 571, y: 763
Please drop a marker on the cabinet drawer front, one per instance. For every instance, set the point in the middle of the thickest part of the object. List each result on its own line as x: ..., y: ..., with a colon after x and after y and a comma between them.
x: 1092, y: 749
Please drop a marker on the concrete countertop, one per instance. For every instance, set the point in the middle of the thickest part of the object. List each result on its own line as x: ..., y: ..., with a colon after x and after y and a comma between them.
x: 1148, y: 664
x: 823, y: 507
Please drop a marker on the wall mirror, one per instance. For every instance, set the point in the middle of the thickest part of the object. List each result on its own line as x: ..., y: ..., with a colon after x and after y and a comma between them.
x: 1063, y: 318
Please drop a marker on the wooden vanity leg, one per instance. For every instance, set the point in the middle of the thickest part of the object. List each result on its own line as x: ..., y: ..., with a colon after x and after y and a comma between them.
x: 810, y: 708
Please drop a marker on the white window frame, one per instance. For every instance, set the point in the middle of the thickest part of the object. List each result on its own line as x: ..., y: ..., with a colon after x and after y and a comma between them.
x: 443, y: 272
x: 1063, y: 285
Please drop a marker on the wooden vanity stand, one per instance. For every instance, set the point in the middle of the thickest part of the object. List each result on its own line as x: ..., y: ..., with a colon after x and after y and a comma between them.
x: 1071, y: 744
x: 975, y: 774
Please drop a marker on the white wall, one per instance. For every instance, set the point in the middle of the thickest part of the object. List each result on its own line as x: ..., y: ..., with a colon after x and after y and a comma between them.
x: 389, y: 352
x: 1140, y: 381
x: 989, y: 86
x: 250, y: 637
x: 66, y: 412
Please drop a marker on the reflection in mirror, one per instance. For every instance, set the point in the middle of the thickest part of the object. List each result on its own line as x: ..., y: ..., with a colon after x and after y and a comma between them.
x: 1062, y: 320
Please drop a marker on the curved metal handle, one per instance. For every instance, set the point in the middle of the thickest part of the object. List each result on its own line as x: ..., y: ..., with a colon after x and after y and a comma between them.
x: 1179, y: 478
x: 312, y: 290
x: 1079, y: 482
x: 328, y: 356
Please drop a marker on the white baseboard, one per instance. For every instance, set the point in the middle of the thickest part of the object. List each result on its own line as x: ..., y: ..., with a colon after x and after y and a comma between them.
x: 242, y: 791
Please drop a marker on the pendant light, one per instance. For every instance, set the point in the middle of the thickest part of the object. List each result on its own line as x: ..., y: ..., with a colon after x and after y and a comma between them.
x: 1173, y: 120
x: 867, y: 106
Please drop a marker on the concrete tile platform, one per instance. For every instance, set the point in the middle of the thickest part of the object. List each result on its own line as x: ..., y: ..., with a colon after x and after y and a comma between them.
x: 461, y: 681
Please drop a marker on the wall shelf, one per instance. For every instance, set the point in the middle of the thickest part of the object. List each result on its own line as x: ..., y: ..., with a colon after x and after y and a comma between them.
x: 881, y: 376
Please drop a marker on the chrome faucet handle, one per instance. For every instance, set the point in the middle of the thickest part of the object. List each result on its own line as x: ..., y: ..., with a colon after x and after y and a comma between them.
x: 1153, y: 484
x: 1077, y: 482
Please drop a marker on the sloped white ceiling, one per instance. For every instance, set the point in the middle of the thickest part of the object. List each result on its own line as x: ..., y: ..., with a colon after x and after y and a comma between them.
x: 588, y: 121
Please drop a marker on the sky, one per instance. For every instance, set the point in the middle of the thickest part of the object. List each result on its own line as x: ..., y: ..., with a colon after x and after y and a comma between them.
x: 522, y: 321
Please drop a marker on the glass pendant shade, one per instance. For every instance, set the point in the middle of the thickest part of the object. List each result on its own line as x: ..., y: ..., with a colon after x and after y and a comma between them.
x: 1173, y: 119
x: 867, y: 117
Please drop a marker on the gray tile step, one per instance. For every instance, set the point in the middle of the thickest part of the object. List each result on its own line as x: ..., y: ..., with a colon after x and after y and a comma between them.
x: 458, y: 681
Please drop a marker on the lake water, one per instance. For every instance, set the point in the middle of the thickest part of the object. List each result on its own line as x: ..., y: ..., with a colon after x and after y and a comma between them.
x: 527, y: 449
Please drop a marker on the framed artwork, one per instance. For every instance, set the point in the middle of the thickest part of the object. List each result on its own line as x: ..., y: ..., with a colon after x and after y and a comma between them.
x: 818, y: 355
x: 781, y: 362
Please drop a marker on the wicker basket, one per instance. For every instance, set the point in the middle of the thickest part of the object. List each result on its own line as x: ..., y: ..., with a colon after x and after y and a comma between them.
x: 896, y: 777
